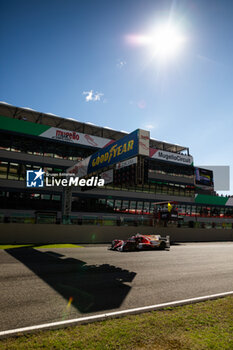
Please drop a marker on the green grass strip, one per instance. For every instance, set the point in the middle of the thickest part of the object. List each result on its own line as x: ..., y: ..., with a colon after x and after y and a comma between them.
x: 10, y: 246
x: 60, y: 246
x: 40, y: 247
x: 202, y: 326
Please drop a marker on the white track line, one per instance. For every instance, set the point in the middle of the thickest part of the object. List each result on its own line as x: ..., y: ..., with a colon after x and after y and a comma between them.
x: 101, y: 317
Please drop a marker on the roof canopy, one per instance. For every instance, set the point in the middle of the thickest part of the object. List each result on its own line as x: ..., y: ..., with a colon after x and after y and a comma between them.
x: 72, y: 124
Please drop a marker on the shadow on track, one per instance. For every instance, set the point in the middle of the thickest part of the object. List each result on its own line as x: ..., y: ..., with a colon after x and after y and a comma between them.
x: 92, y: 287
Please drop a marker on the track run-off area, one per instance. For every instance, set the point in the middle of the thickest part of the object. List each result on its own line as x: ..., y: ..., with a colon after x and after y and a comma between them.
x: 47, y: 285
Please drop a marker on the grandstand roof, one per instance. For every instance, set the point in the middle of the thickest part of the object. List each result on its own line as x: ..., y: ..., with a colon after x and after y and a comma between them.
x: 25, y: 113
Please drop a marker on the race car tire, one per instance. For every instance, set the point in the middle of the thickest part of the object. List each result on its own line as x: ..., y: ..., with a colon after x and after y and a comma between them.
x: 162, y: 246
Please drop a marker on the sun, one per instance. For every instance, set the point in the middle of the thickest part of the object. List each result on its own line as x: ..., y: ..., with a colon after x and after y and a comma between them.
x: 166, y: 42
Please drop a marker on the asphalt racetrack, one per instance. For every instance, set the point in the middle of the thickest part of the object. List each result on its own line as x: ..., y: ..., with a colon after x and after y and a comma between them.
x: 47, y: 285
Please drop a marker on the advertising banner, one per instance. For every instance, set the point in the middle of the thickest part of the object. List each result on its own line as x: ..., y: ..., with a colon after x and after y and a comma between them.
x: 116, y: 152
x: 48, y: 132
x: 144, y: 142
x: 171, y: 157
x: 80, y: 168
x: 75, y: 137
x: 107, y: 176
x: 126, y: 163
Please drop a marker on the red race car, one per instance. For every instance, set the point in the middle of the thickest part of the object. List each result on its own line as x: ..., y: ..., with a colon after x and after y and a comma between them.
x: 141, y: 242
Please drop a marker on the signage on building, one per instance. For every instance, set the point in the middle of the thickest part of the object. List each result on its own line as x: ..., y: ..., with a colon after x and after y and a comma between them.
x: 75, y: 137
x: 144, y: 142
x: 126, y: 163
x: 171, y: 157
x: 116, y: 152
x: 107, y: 176
x: 48, y: 132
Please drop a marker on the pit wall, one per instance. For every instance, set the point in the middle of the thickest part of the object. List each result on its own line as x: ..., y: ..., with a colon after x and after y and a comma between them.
x: 50, y: 233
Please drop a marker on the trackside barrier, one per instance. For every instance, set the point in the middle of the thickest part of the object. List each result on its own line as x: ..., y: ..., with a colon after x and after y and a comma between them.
x: 114, y: 220
x: 13, y: 233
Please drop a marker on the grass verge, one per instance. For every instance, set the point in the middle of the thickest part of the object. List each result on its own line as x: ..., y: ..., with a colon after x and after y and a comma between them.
x: 206, y: 325
x: 11, y: 246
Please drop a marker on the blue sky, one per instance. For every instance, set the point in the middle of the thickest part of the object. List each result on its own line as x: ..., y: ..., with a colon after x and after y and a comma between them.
x: 55, y: 51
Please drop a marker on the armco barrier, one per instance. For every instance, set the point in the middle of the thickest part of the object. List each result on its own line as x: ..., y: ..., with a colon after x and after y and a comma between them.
x: 51, y: 233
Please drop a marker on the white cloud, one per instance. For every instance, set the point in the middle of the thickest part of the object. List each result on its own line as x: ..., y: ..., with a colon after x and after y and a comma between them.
x: 89, y: 95
x: 97, y: 96
x: 149, y: 126
x: 92, y: 96
x: 121, y: 64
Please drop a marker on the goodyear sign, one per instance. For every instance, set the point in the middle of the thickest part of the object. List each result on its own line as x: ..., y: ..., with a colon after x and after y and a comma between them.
x: 118, y: 151
x: 129, y: 146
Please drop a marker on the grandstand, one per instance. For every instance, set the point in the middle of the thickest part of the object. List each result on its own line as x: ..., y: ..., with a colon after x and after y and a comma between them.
x: 31, y: 140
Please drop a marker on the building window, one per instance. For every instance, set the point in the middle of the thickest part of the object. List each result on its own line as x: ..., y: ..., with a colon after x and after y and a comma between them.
x: 125, y: 205
x: 13, y: 173
x: 3, y: 170
x: 45, y: 196
x: 146, y: 207
x: 132, y: 205
x: 56, y: 197
x: 117, y: 204
x: 139, y: 206
x: 110, y: 203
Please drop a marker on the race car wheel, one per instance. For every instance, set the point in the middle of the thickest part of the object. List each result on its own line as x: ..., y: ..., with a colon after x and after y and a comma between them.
x: 162, y: 246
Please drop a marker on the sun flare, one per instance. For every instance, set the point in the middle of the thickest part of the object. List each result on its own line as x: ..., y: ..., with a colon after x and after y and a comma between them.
x: 166, y: 41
